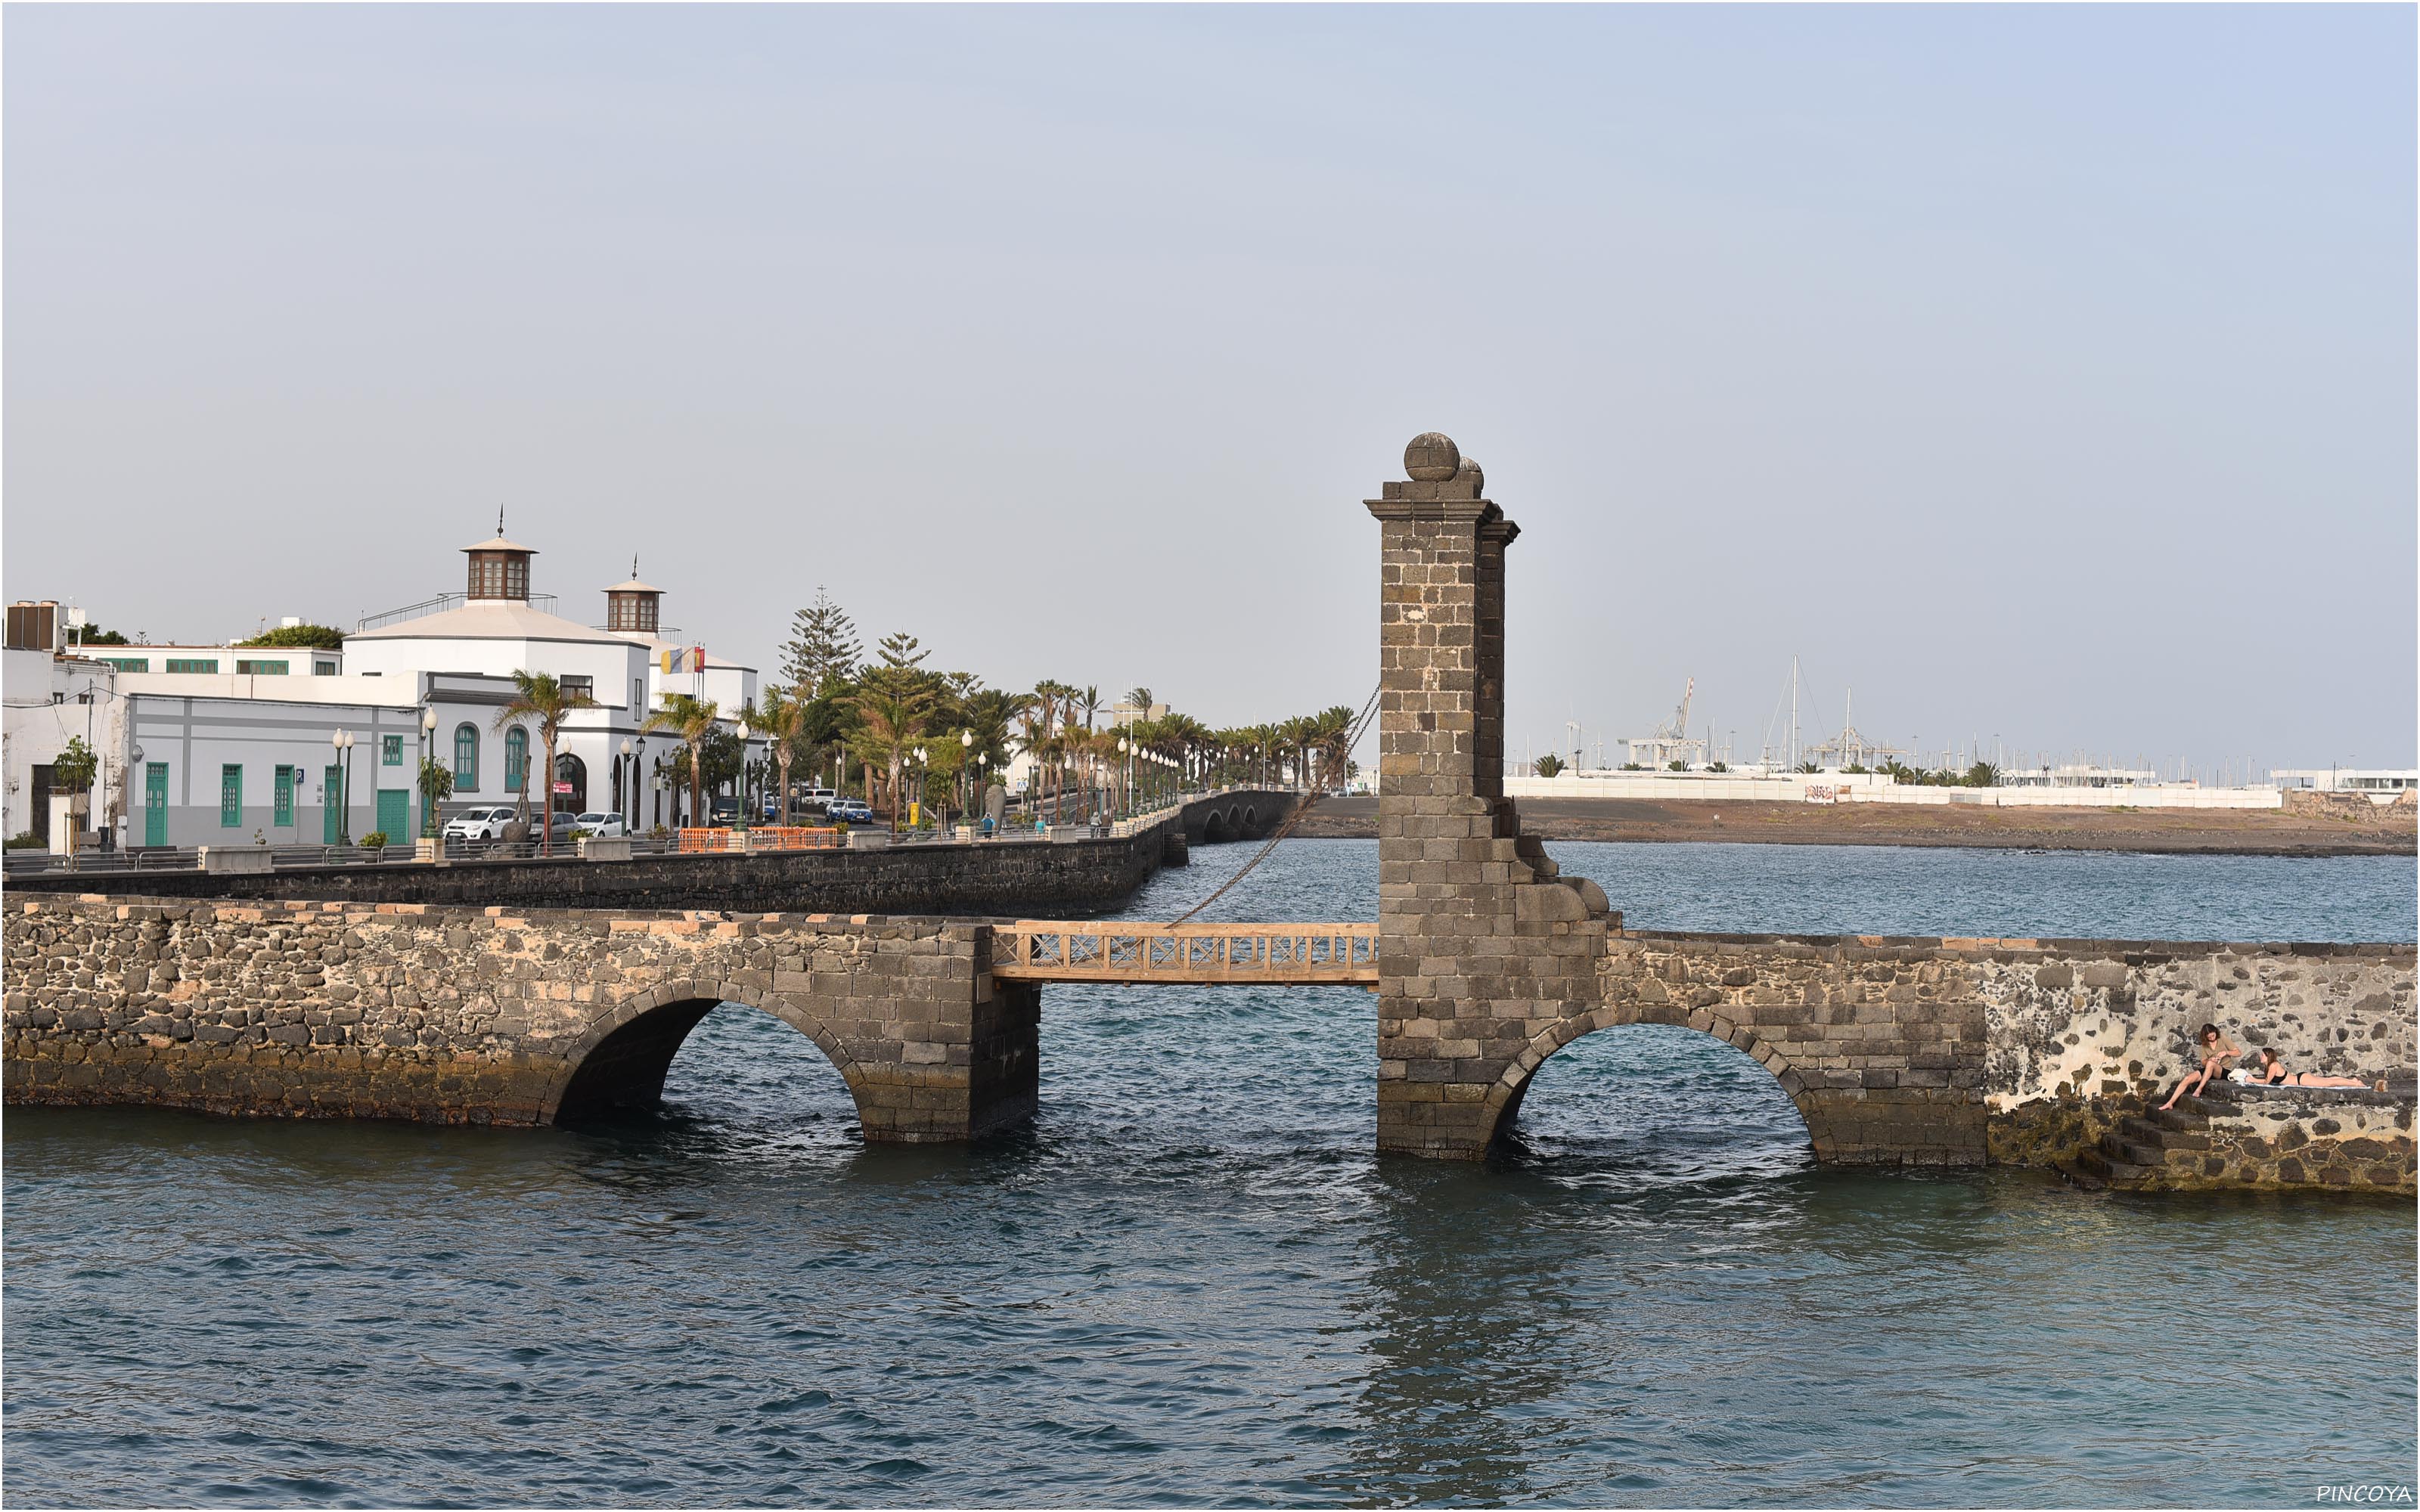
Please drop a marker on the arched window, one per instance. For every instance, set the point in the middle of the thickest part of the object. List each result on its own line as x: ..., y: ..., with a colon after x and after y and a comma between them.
x: 466, y: 758
x: 516, y: 758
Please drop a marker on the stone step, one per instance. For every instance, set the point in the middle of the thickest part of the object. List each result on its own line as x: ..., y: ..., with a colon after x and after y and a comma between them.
x: 2179, y: 1121
x: 2122, y: 1150
x: 2074, y: 1175
x: 2161, y: 1135
x: 2094, y: 1163
x: 2206, y: 1107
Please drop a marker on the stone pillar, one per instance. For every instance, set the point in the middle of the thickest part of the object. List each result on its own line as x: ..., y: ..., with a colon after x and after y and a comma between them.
x: 1483, y: 946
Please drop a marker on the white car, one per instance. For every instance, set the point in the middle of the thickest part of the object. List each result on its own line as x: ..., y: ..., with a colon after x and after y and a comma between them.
x: 479, y: 824
x: 604, y: 825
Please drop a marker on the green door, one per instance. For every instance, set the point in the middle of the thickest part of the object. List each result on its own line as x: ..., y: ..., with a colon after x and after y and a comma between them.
x: 331, y: 813
x: 155, y: 803
x: 394, y: 814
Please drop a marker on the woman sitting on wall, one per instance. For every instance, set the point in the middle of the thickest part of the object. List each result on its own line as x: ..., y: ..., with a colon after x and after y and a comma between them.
x: 2216, y: 1050
x: 2273, y: 1072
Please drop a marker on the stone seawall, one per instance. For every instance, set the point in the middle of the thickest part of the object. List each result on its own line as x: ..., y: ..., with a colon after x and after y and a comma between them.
x: 463, y: 1016
x: 1030, y: 879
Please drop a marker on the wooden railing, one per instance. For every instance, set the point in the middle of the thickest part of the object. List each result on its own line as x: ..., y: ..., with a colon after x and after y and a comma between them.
x: 1296, y: 954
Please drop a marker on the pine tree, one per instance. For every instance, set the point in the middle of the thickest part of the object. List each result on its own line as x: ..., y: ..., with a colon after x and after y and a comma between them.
x: 898, y: 649
x: 823, y: 646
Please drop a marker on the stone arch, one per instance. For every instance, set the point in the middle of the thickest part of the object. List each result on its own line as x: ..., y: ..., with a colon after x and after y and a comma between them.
x: 1503, y: 1101
x: 1214, y: 829
x: 1249, y: 824
x: 621, y: 1058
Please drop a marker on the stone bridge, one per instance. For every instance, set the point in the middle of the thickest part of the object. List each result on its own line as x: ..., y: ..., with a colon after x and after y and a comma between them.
x: 471, y: 1016
x: 1485, y: 961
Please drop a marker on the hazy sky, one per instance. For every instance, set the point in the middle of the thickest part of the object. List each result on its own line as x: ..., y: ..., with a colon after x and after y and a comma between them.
x: 2041, y: 374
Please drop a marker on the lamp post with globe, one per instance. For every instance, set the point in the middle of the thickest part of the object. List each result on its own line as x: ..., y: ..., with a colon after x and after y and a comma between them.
x: 742, y: 822
x: 427, y: 755
x: 343, y: 742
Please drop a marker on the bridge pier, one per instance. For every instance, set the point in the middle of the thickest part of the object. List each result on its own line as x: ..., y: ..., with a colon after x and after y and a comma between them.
x: 1482, y: 946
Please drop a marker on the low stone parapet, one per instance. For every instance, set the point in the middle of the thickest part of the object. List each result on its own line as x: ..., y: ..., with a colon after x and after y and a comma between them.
x: 235, y: 860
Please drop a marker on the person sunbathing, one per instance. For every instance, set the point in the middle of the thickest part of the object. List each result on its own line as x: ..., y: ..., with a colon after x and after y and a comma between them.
x: 2216, y: 1051
x: 2273, y: 1072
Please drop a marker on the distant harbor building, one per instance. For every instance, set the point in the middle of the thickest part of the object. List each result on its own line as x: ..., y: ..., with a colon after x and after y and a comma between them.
x: 2080, y: 774
x: 2384, y: 782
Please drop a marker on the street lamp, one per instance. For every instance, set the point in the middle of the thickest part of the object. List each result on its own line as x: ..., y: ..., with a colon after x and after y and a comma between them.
x: 743, y: 775
x: 628, y: 774
x: 343, y: 742
x: 427, y: 754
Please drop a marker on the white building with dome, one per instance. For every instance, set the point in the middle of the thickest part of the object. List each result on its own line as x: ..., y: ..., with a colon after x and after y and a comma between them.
x: 224, y: 758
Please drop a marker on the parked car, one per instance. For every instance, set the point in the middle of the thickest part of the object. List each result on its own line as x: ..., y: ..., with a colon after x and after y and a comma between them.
x: 725, y: 811
x: 606, y: 826
x: 816, y: 800
x: 849, y: 811
x: 562, y: 822
x: 479, y: 824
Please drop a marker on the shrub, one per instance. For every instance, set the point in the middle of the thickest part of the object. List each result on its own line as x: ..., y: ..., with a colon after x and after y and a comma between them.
x: 26, y: 841
x: 375, y: 840
x: 326, y: 636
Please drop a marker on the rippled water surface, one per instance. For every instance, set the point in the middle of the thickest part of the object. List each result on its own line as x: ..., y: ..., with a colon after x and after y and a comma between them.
x: 1190, y: 1281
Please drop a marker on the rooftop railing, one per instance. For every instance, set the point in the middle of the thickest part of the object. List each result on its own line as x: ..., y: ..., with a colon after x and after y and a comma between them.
x: 438, y: 606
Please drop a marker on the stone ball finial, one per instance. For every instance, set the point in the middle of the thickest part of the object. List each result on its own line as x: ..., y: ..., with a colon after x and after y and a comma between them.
x: 1473, y: 474
x: 1432, y: 457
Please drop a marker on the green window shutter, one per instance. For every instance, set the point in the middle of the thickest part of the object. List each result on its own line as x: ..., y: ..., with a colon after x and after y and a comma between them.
x: 231, y: 796
x: 391, y: 751
x: 516, y: 758
x: 129, y: 664
x: 192, y: 664
x: 466, y: 758
x: 284, y: 812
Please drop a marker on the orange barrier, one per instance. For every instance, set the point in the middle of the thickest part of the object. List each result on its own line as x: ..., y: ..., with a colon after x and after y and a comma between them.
x: 793, y: 838
x: 705, y: 840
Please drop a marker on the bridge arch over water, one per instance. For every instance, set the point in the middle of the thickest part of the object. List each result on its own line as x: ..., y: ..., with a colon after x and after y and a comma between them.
x: 1504, y: 1099
x: 620, y: 1062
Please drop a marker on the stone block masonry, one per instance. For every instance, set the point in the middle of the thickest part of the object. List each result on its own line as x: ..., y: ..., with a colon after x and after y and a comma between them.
x: 1482, y: 946
x: 490, y: 1015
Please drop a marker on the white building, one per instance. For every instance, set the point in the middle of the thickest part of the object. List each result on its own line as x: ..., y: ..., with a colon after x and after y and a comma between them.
x: 221, y: 746
x: 53, y: 698
x: 2384, y: 784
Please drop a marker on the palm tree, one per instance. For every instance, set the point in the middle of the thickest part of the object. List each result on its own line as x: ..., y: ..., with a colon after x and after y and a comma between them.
x: 891, y: 716
x: 1331, y: 736
x: 691, y: 718
x: 1090, y: 701
x: 784, y: 719
x: 541, y: 697
x: 1056, y: 703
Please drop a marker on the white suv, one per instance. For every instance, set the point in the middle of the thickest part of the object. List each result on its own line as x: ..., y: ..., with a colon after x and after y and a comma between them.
x: 605, y: 826
x: 479, y: 823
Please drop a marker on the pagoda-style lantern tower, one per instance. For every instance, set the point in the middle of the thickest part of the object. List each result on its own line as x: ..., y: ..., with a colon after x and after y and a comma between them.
x: 500, y: 568
x: 633, y: 604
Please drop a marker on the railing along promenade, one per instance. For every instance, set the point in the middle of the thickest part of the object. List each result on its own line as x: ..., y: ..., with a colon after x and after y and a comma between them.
x: 698, y: 842
x: 1126, y: 951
